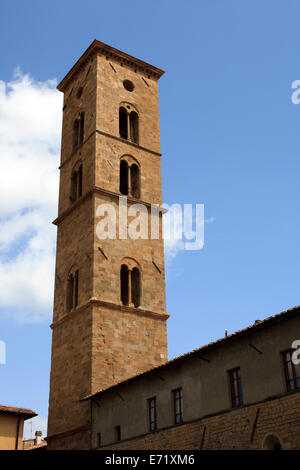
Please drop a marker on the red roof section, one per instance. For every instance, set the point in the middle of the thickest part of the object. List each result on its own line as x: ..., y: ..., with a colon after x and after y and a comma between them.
x: 249, y: 329
x: 20, y: 411
x: 37, y: 446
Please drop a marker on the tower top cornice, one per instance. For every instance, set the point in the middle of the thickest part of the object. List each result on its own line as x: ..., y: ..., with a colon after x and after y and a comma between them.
x: 114, y: 55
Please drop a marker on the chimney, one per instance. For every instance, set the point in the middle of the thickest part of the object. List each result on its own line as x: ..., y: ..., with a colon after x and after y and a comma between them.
x: 38, y: 437
x: 226, y: 332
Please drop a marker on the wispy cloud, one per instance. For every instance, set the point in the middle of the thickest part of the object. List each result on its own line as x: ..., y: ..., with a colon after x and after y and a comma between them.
x: 174, y: 236
x: 30, y: 125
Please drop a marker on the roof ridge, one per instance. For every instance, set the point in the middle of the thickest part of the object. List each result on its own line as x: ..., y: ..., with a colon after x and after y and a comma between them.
x: 15, y: 409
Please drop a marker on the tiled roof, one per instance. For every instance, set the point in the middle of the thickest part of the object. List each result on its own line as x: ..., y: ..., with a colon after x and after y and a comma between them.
x: 37, y: 446
x: 14, y: 410
x: 249, y: 329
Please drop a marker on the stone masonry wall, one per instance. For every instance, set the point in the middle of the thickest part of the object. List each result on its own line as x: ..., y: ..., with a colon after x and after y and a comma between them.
x: 232, y: 429
x: 101, y: 341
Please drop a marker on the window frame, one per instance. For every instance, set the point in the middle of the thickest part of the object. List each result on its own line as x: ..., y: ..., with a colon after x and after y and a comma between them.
x: 78, y: 131
x: 129, y: 123
x: 118, y: 433
x: 152, y: 423
x: 76, y: 183
x: 295, y: 378
x: 180, y: 402
x: 237, y: 400
x: 72, y: 292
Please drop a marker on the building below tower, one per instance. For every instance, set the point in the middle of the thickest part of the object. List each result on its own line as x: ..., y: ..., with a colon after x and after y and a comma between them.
x: 240, y: 392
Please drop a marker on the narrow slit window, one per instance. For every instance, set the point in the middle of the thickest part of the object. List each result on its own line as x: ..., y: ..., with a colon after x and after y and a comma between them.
x: 178, y: 406
x: 76, y: 280
x: 73, y: 192
x: 134, y: 127
x: 136, y: 287
x: 123, y: 125
x: 118, y: 433
x: 124, y: 285
x: 135, y: 180
x: 70, y: 292
x: 75, y: 134
x: 80, y: 181
x: 291, y: 370
x: 78, y: 131
x: 124, y: 177
x: 76, y: 185
x: 236, y: 387
x: 81, y: 128
x: 152, y: 414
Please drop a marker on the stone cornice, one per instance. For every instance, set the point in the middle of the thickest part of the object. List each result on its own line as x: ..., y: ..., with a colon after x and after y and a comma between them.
x: 105, y: 192
x: 69, y: 432
x: 110, y: 305
x: 74, y: 206
x: 125, y: 141
x: 126, y: 309
x: 110, y: 53
x: 105, y: 134
x: 78, y: 149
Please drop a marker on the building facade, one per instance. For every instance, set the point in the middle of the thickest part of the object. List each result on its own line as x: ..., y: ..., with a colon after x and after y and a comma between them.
x: 12, y: 426
x: 241, y: 392
x: 109, y: 318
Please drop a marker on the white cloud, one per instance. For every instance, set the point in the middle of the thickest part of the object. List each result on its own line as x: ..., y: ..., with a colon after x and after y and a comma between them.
x: 174, y: 230
x: 39, y: 423
x: 30, y: 126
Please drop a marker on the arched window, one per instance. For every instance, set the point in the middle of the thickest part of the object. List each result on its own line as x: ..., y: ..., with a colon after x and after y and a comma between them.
x: 130, y: 285
x: 78, y: 131
x: 135, y: 180
x: 135, y: 287
x: 129, y: 177
x: 272, y: 442
x: 72, y: 290
x: 123, y: 177
x: 129, y: 124
x: 124, y: 284
x: 123, y: 123
x: 76, y: 184
x: 134, y: 127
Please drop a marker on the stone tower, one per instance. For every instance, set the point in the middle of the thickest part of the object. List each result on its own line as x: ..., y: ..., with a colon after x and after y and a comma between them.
x: 109, y: 319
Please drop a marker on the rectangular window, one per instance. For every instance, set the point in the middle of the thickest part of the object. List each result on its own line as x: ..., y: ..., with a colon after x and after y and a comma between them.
x: 291, y: 370
x: 236, y: 387
x: 98, y: 439
x: 178, y: 406
x: 118, y: 433
x: 152, y: 413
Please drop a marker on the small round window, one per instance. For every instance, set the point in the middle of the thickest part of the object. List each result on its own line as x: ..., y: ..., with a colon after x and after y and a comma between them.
x: 128, y: 85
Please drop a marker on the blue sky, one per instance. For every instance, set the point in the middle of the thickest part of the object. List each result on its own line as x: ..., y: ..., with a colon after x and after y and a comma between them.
x: 229, y: 138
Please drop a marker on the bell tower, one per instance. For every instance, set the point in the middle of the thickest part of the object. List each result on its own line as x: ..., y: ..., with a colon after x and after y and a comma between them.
x: 109, y: 318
